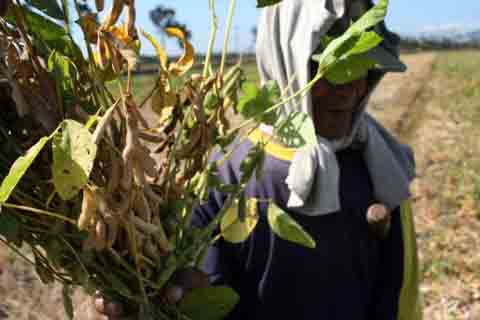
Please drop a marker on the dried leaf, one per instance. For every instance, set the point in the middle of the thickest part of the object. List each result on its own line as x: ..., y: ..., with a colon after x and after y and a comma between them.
x: 163, y: 98
x: 162, y: 56
x: 89, y: 24
x: 187, y: 60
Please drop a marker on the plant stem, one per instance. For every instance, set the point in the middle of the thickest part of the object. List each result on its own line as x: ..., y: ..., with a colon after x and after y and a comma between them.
x: 300, y: 92
x: 213, y: 35
x: 227, y: 35
x: 39, y: 211
x: 66, y: 17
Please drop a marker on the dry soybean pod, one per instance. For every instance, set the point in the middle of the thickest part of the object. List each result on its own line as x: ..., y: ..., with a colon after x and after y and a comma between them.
x: 131, y: 19
x: 100, y: 5
x: 116, y: 59
x: 150, y: 137
x: 156, y: 231
x: 128, y: 153
x: 115, y: 175
x: 148, y: 164
x: 113, y: 226
x: 100, y: 235
x: 89, y: 209
x: 114, y: 14
x: 142, y: 207
x: 102, y: 124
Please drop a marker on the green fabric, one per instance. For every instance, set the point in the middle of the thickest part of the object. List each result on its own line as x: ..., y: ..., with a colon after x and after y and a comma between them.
x: 409, y: 305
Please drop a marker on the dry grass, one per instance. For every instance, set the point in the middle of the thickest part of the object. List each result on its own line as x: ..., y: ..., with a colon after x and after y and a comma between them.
x: 438, y: 112
x: 447, y: 192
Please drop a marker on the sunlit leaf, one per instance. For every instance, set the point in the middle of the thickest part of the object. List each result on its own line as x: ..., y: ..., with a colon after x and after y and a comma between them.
x: 38, y: 25
x: 48, y: 7
x: 349, y: 69
x: 47, y: 31
x: 286, y: 228
x: 18, y: 169
x: 254, y: 101
x: 187, y: 60
x: 353, y: 41
x: 120, y: 40
x: 63, y: 69
x: 162, y: 56
x: 211, y: 303
x: 297, y: 130
x: 73, y: 157
x: 233, y: 228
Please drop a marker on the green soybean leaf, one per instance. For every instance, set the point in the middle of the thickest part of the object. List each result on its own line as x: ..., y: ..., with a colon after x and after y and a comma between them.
x: 255, y: 101
x: 73, y: 156
x: 266, y: 3
x: 373, y: 16
x: 297, y: 130
x: 49, y: 7
x: 18, y: 169
x: 288, y: 229
x: 349, y: 69
x: 233, y: 228
x: 342, y: 45
x: 367, y: 41
x: 211, y: 303
x: 38, y: 25
x: 63, y: 70
x: 46, y: 31
x: 67, y: 301
x: 352, y: 64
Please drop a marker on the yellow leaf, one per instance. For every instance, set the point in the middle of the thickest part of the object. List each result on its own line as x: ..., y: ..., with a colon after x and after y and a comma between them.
x: 121, y: 34
x: 162, y: 56
x: 187, y: 60
x: 235, y: 230
x: 163, y: 98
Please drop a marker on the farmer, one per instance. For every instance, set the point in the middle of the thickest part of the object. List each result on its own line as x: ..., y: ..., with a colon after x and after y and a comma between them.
x: 355, y: 272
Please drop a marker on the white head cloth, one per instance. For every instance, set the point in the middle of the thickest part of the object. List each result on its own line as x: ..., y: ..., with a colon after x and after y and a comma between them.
x: 288, y: 34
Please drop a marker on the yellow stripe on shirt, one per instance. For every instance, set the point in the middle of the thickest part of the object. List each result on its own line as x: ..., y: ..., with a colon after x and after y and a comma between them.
x: 272, y: 148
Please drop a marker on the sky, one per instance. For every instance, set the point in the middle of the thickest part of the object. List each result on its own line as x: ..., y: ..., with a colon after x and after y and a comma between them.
x: 406, y: 17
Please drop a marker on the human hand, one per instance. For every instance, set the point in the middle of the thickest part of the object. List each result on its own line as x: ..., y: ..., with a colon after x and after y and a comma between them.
x: 379, y: 220
x: 181, y: 283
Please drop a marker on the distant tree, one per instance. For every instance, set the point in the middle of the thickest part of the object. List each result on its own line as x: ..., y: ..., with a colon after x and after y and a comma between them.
x: 164, y: 17
x: 254, y: 32
x: 84, y: 8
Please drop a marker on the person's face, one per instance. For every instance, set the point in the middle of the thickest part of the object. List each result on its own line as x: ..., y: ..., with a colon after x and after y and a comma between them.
x: 334, y: 107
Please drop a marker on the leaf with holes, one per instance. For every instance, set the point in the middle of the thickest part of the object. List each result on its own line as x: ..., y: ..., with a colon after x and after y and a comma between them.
x: 73, y: 157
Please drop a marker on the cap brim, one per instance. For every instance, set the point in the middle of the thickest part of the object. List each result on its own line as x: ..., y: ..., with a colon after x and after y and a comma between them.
x: 385, y: 61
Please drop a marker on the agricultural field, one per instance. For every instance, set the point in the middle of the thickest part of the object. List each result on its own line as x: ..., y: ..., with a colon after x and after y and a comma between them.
x: 435, y: 107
